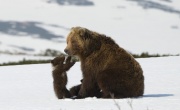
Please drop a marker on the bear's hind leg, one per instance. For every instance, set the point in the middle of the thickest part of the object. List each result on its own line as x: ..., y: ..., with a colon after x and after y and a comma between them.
x: 67, y: 93
x: 75, y: 90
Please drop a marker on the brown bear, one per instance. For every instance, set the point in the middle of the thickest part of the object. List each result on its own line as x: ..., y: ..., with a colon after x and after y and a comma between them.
x: 60, y: 77
x: 105, y: 66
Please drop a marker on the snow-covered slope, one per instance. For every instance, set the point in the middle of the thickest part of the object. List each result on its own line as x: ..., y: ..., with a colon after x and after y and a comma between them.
x: 29, y: 87
x: 137, y: 25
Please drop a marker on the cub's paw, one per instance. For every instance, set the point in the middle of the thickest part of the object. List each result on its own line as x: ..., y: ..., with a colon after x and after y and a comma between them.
x: 58, y: 61
x: 69, y: 63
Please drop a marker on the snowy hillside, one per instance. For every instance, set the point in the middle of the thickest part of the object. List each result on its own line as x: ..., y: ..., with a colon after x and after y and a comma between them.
x: 32, y: 26
x: 29, y: 87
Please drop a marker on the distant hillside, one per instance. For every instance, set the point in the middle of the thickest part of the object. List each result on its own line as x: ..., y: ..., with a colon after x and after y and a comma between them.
x: 137, y: 25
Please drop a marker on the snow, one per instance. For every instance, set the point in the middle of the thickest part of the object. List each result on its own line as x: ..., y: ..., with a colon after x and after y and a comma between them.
x: 154, y: 29
x: 29, y: 87
x: 136, y: 25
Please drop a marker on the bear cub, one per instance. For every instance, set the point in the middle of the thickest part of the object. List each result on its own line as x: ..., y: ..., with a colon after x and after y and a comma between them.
x: 60, y: 66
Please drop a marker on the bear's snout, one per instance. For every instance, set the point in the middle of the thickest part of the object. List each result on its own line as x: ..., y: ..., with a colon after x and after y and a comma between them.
x: 66, y: 51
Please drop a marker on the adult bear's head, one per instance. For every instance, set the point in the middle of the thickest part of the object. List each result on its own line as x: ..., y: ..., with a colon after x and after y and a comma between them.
x: 82, y: 42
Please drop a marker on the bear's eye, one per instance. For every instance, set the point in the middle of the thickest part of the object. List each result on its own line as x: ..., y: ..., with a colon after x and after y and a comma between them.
x: 74, y: 44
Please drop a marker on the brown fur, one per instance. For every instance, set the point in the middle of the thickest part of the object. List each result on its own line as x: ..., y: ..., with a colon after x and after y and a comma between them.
x: 105, y: 65
x: 60, y: 77
x: 75, y: 90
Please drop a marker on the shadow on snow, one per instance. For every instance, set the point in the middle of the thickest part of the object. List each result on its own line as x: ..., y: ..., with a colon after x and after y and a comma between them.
x: 72, y: 2
x: 146, y: 4
x: 28, y: 29
x: 157, y: 95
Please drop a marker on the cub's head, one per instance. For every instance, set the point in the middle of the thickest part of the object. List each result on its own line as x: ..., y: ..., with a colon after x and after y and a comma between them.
x: 57, y: 60
x: 82, y: 42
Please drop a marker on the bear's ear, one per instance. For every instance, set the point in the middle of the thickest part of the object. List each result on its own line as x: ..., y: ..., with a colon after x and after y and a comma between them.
x: 84, y: 34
